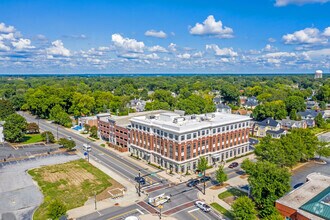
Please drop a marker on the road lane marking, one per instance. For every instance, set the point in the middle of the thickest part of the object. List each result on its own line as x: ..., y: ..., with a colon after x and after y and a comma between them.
x: 193, y: 216
x: 122, y: 214
x: 140, y: 211
x: 193, y: 210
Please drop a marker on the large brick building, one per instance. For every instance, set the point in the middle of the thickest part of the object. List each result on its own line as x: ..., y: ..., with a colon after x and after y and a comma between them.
x: 116, y: 129
x: 311, y: 201
x: 175, y: 141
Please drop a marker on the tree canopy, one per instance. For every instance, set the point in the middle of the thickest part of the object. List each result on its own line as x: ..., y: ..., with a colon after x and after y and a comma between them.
x: 14, y: 128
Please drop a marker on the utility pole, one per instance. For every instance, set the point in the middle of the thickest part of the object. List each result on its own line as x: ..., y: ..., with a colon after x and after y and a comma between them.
x: 204, y: 182
x: 160, y: 211
x: 88, y: 157
x: 139, y: 189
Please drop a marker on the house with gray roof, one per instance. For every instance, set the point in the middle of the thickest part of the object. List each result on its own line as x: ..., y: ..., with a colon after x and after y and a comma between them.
x: 310, y: 114
x: 138, y: 105
x: 251, y: 102
x: 267, y: 126
x: 223, y: 108
x: 288, y: 124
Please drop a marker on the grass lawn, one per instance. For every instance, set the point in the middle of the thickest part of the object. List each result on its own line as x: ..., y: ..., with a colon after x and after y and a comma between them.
x: 222, y: 210
x: 31, y: 138
x: 71, y: 183
x: 231, y: 192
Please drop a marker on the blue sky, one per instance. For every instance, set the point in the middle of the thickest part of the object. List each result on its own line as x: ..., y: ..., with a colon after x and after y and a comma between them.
x: 219, y: 36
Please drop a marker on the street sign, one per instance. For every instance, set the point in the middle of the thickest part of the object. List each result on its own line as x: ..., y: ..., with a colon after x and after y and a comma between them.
x: 85, y: 154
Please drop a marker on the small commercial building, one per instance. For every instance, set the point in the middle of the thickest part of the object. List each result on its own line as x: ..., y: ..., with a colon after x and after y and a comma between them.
x: 310, y: 201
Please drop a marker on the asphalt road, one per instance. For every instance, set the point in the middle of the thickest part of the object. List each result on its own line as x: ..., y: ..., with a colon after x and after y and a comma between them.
x: 113, y: 161
x: 181, y: 205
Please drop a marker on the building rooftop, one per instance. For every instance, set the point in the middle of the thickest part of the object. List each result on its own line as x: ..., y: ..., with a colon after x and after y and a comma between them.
x: 312, y: 199
x: 125, y: 120
x: 174, y: 121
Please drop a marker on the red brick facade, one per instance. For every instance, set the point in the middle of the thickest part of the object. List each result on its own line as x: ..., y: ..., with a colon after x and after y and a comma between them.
x: 289, y: 212
x: 150, y: 142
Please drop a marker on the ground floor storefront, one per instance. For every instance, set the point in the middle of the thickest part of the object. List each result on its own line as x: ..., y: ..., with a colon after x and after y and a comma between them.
x: 213, y: 158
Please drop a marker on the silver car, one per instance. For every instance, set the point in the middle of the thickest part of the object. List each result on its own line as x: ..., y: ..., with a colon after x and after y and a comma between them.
x: 203, y: 206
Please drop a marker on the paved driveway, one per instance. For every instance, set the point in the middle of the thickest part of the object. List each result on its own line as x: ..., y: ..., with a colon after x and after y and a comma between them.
x: 19, y: 195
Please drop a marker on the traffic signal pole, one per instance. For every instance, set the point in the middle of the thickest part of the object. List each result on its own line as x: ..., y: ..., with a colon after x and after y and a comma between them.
x: 139, y: 190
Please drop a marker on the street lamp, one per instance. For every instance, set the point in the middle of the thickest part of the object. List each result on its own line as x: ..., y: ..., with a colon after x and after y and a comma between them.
x: 160, y: 211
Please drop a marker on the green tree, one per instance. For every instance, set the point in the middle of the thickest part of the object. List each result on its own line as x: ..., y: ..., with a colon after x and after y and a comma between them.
x: 319, y: 121
x: 243, y: 209
x: 295, y: 102
x: 157, y: 105
x: 14, y: 128
x: 274, y: 109
x: 82, y: 104
x: 87, y: 127
x: 293, y: 114
x: 220, y: 175
x: 56, y: 210
x: 6, y: 109
x: 93, y: 132
x: 60, y: 116
x: 268, y: 182
x: 48, y: 136
x: 202, y: 164
x: 323, y: 105
x: 67, y: 144
x: 323, y: 149
x: 32, y: 128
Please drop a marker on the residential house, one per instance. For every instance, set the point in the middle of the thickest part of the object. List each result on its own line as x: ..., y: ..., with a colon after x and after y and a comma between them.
x: 310, y: 114
x: 260, y: 128
x: 288, y: 124
x: 242, y: 112
x: 312, y: 104
x: 276, y: 133
x: 251, y: 102
x: 217, y: 99
x: 223, y: 108
x: 242, y: 100
x: 138, y: 105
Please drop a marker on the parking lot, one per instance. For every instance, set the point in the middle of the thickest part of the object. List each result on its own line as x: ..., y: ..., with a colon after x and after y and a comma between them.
x: 19, y: 194
x: 7, y: 152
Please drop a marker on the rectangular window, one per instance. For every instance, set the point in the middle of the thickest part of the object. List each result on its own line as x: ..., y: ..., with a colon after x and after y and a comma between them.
x: 218, y: 130
x: 188, y: 136
x: 195, y: 135
x: 176, y: 137
x: 165, y: 134
x: 203, y: 132
x: 207, y: 131
x: 182, y: 137
x: 188, y: 151
x: 214, y: 130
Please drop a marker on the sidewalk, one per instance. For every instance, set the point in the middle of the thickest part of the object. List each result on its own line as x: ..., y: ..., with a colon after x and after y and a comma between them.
x: 130, y: 197
x: 155, y: 217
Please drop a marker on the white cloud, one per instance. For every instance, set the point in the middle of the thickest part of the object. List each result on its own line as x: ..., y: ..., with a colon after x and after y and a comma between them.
x: 153, y: 33
x: 223, y: 52
x: 198, y: 54
x: 172, y: 47
x: 58, y: 49
x: 9, y: 36
x: 139, y: 56
x: 271, y: 40
x: 184, y: 56
x: 157, y: 48
x: 280, y: 3
x: 6, y: 29
x: 22, y: 44
x: 327, y: 32
x: 3, y: 47
x: 305, y: 36
x: 279, y: 54
x: 269, y: 48
x: 211, y: 27
x: 127, y: 44
x: 319, y: 53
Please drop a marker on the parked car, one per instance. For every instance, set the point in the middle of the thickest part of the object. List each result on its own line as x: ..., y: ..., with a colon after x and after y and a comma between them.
x: 203, y: 206
x: 140, y: 180
x: 192, y: 183
x: 205, y: 179
x: 233, y: 165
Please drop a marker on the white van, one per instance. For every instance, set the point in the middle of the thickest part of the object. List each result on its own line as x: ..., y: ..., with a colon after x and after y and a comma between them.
x: 87, y: 147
